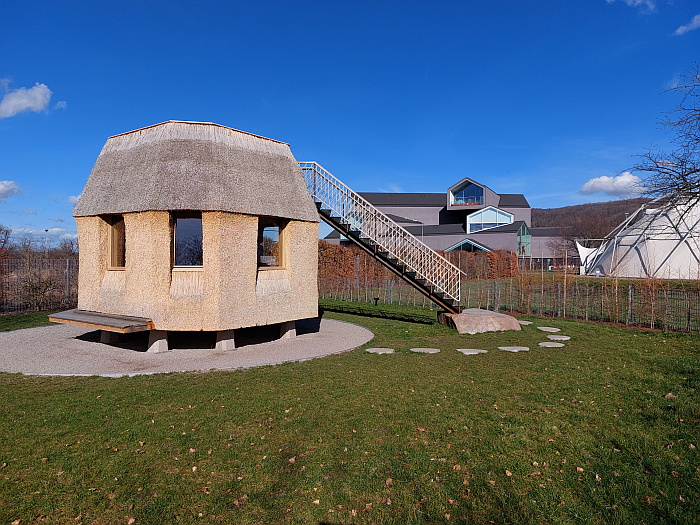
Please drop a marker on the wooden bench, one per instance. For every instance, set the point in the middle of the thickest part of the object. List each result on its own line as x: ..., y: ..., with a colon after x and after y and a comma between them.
x: 121, y: 324
x: 111, y: 325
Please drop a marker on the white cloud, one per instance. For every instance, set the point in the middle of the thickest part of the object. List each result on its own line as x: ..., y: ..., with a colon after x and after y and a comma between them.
x: 72, y: 236
x: 651, y: 4
x: 57, y: 219
x: 73, y: 199
x: 5, y: 84
x: 623, y: 185
x: 673, y: 83
x: 8, y: 188
x: 693, y: 24
x: 61, y: 104
x: 35, y: 99
x: 390, y: 188
x: 25, y: 211
x: 21, y: 232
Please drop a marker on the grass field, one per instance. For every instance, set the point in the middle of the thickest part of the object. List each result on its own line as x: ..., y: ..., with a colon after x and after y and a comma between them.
x: 19, y: 321
x: 582, y: 434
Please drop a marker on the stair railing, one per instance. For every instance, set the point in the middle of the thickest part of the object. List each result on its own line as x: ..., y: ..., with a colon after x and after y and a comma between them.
x: 361, y: 216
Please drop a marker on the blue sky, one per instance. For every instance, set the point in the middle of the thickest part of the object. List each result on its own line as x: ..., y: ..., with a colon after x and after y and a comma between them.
x: 539, y: 97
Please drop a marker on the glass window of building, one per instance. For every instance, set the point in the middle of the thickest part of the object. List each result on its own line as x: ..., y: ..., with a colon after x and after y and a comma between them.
x: 524, y: 241
x: 487, y: 218
x: 469, y: 195
x: 269, y: 246
x: 187, y: 239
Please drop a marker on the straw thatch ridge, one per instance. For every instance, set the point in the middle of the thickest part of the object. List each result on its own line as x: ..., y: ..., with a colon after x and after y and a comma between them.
x: 196, y: 166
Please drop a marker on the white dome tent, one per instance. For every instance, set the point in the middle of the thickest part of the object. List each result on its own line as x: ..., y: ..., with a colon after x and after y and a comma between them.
x: 660, y: 240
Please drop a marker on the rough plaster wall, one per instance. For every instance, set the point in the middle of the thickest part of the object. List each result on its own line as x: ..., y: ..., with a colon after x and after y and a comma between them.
x: 230, y: 260
x: 225, y: 296
x: 303, y: 248
x: 300, y: 248
x: 92, y: 239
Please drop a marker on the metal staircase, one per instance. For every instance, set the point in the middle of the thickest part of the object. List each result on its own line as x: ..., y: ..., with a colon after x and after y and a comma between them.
x: 390, y: 244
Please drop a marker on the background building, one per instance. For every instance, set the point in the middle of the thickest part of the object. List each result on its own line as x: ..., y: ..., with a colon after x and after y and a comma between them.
x: 468, y: 216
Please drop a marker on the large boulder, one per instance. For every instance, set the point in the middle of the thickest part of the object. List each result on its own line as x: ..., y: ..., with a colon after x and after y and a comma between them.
x: 476, y: 321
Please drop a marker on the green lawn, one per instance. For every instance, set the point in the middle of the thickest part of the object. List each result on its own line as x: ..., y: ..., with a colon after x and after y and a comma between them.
x: 581, y: 434
x: 19, y: 321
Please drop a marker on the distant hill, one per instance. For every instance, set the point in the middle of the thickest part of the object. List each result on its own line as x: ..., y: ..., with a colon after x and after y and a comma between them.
x: 586, y: 221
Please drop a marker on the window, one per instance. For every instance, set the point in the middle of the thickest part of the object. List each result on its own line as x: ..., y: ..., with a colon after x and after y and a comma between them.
x: 117, y: 242
x: 524, y: 240
x: 187, y: 239
x: 487, y: 218
x: 469, y: 195
x: 269, y: 245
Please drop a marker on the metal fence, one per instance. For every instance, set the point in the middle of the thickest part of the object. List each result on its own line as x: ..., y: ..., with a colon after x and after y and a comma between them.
x: 652, y: 304
x: 38, y: 284
x: 44, y: 284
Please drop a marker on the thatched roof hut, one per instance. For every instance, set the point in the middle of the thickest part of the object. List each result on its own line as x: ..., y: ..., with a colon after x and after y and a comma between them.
x: 174, y: 223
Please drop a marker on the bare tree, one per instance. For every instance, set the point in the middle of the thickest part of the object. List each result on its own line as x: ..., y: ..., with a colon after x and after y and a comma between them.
x: 676, y: 173
x: 67, y: 249
x: 4, y: 241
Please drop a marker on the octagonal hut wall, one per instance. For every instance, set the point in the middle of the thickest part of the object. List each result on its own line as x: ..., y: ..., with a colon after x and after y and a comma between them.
x: 227, y: 292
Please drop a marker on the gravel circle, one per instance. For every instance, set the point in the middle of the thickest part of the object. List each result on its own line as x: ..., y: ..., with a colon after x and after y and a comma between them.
x: 76, y: 351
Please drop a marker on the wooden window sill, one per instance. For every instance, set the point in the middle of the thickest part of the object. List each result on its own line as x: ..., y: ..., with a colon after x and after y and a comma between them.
x: 188, y: 268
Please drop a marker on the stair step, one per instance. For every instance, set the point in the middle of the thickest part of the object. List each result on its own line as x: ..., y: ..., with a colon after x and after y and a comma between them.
x: 377, y: 248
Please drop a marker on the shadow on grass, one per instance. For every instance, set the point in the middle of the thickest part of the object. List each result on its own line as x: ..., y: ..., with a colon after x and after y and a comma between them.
x: 395, y: 312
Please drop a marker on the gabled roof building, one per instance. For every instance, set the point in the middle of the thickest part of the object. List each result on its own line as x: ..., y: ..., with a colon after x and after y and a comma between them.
x: 469, y: 216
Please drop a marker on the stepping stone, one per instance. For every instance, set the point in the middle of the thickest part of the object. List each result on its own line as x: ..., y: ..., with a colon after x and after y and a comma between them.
x: 558, y: 337
x: 525, y: 323
x: 471, y: 351
x: 548, y: 329
x: 426, y: 350
x: 514, y: 348
x: 551, y: 344
x: 380, y: 350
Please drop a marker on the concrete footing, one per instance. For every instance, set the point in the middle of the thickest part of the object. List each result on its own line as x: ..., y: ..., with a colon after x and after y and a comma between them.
x: 157, y: 341
x: 476, y: 321
x: 225, y: 340
x: 288, y: 330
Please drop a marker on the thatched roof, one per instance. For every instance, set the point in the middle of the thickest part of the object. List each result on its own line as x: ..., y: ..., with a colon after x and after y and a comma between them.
x: 196, y: 166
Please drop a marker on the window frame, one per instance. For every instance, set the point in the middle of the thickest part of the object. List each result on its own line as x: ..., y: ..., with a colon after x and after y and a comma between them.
x: 280, y: 224
x: 112, y: 221
x: 481, y: 213
x: 478, y: 201
x: 174, y: 216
